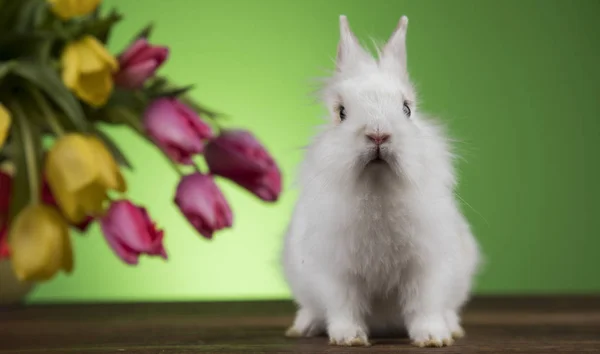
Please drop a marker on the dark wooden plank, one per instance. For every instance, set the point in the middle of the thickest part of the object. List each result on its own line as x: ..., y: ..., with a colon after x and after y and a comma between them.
x: 493, y: 324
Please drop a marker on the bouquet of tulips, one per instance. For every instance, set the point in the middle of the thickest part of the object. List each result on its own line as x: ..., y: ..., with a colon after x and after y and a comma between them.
x: 59, y: 86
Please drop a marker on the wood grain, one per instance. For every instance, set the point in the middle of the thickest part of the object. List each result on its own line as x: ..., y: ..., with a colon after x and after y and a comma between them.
x: 493, y: 324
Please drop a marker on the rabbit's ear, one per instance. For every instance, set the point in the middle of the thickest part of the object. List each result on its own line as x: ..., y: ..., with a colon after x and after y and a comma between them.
x: 394, y: 53
x: 349, y: 51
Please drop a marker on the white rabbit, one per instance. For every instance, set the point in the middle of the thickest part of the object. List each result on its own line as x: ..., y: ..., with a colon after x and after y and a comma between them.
x: 377, y: 241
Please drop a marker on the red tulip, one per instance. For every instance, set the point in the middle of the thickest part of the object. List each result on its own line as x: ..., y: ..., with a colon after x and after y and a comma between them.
x: 176, y: 129
x: 138, y: 63
x: 5, y: 191
x: 48, y: 198
x: 203, y: 204
x: 4, y: 250
x: 130, y: 232
x: 238, y: 156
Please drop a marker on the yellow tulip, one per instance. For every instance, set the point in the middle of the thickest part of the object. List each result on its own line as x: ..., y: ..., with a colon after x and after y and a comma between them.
x: 67, y: 9
x: 39, y: 243
x: 5, y: 121
x: 80, y: 171
x: 87, y: 69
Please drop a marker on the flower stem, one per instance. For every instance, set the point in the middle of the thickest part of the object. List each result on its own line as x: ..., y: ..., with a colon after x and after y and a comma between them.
x: 174, y: 166
x: 29, y: 152
x: 47, y: 111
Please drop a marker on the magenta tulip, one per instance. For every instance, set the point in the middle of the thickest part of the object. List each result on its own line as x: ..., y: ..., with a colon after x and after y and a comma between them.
x: 138, y: 63
x: 176, y: 129
x: 238, y: 156
x: 203, y: 204
x: 130, y: 232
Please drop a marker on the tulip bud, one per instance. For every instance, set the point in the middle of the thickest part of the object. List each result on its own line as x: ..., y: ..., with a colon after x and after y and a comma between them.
x: 237, y: 155
x: 176, y: 129
x: 39, y: 243
x: 67, y: 9
x: 88, y: 70
x: 130, y: 232
x: 80, y: 171
x: 138, y: 63
x: 202, y: 203
x: 48, y: 198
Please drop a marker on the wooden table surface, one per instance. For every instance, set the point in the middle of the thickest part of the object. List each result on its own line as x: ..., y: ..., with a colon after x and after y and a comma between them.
x: 493, y: 325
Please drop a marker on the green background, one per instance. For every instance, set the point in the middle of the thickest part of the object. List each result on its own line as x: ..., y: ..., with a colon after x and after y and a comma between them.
x: 517, y: 81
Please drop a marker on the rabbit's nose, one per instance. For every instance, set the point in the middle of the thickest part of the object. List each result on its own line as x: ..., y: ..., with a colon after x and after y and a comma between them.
x: 378, y: 138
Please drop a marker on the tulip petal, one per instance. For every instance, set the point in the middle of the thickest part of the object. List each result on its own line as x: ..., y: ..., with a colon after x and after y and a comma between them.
x: 5, y: 123
x: 128, y: 255
x: 37, y: 240
x: 110, y: 174
x: 94, y: 88
x: 62, y: 8
x: 69, y: 168
x: 203, y: 204
x: 137, y: 46
x: 136, y: 76
x: 70, y: 64
x: 150, y: 53
x: 88, y: 59
x: 130, y: 232
x: 4, y: 248
x: 172, y: 130
x: 5, y: 192
x: 237, y: 155
x: 95, y: 46
x: 91, y: 200
x: 48, y: 199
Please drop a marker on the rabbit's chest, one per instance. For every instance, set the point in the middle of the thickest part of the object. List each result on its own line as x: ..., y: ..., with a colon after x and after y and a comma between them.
x: 379, y: 245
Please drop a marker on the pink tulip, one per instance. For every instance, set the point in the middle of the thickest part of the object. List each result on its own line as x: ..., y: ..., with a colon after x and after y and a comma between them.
x: 48, y: 198
x: 238, y: 156
x: 5, y: 191
x: 130, y: 232
x: 138, y: 63
x: 176, y: 129
x: 203, y: 204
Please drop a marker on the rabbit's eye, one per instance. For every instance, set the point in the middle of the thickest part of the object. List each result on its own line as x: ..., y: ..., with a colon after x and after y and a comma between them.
x: 406, y: 109
x: 342, y: 112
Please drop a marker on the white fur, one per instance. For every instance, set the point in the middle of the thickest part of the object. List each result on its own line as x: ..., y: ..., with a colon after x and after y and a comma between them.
x: 378, y: 248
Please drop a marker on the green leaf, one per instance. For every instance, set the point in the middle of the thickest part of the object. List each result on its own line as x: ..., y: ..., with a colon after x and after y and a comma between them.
x: 35, y: 44
x: 27, y: 158
x: 9, y: 11
x: 113, y: 148
x: 176, y: 92
x: 6, y: 150
x: 47, y: 79
x: 29, y: 15
x: 101, y: 27
x: 201, y: 109
x: 144, y: 33
x: 6, y: 68
x: 156, y: 84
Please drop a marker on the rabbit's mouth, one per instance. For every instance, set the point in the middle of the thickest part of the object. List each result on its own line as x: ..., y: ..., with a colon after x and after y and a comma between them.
x: 377, y: 157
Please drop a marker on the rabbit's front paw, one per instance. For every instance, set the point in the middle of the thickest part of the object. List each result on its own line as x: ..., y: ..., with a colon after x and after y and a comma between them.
x: 453, y: 322
x: 430, y: 331
x: 347, y: 334
x: 306, y: 324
